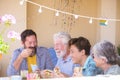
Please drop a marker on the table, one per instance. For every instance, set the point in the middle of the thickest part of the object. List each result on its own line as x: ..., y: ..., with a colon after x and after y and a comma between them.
x: 100, y: 77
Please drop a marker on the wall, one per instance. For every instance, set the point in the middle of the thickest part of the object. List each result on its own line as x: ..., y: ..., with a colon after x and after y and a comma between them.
x: 118, y: 24
x: 46, y: 23
x: 12, y: 7
x: 108, y: 32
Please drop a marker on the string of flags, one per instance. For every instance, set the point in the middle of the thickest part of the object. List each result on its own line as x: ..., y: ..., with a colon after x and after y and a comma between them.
x: 102, y: 21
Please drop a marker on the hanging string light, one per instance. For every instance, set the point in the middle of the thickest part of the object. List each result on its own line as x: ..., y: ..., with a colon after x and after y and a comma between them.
x: 22, y: 2
x: 57, y: 13
x: 106, y: 22
x: 68, y: 13
x: 40, y: 10
x: 76, y: 16
x: 90, y: 21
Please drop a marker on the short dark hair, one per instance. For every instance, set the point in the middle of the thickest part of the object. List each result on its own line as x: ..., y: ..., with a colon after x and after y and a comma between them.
x: 81, y: 43
x: 26, y: 33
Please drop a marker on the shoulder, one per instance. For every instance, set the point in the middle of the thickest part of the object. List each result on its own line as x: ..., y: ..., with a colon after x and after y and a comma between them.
x: 59, y: 61
x: 42, y: 51
x: 89, y: 63
x: 17, y: 51
x: 90, y: 60
x: 114, y: 69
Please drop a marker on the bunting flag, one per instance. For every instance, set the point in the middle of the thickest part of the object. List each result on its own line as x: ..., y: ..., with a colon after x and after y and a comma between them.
x: 103, y: 22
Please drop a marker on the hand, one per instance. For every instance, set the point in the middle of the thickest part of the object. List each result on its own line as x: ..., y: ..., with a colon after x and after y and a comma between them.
x: 47, y: 74
x: 77, y: 72
x: 32, y: 76
x: 37, y: 71
x: 77, y: 75
x: 26, y: 52
x: 59, y: 75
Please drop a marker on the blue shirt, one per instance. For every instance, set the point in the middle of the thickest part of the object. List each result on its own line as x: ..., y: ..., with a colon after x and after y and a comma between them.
x: 90, y: 69
x: 53, y: 55
x: 43, y: 61
x: 66, y: 66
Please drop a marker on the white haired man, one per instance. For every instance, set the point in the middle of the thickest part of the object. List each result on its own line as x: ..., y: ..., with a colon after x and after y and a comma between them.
x: 61, y: 47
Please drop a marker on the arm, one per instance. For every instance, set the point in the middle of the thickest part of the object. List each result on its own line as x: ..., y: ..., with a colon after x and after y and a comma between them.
x: 18, y: 62
x: 17, y: 58
x: 24, y: 54
x: 11, y: 70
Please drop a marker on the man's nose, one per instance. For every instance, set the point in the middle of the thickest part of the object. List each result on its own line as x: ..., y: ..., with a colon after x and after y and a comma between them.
x: 33, y: 45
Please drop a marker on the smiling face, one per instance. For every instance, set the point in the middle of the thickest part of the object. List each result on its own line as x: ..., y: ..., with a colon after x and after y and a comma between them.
x: 99, y: 60
x: 31, y: 42
x: 75, y: 54
x: 60, y: 48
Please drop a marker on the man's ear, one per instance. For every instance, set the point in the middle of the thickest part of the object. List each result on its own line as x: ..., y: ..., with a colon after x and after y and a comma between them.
x: 83, y: 52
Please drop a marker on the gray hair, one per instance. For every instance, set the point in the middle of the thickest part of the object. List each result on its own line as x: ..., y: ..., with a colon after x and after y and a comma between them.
x: 107, y: 50
x: 64, y: 36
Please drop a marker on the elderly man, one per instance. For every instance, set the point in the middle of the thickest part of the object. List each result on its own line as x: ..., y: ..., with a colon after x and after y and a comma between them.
x: 29, y: 54
x: 61, y: 47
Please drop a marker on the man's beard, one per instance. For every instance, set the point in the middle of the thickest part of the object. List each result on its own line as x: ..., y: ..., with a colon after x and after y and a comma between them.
x: 60, y: 54
x: 34, y: 50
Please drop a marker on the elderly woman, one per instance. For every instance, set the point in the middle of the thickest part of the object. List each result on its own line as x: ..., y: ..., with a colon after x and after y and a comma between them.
x: 106, y: 58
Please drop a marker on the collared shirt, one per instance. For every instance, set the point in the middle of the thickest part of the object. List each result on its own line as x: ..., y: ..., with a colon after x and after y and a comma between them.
x: 66, y: 66
x: 90, y: 69
x: 43, y: 61
x: 114, y: 70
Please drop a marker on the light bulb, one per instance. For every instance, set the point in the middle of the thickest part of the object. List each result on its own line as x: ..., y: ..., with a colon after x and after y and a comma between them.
x: 76, y: 16
x: 21, y: 2
x: 40, y: 10
x: 106, y: 22
x: 90, y: 21
x: 57, y: 13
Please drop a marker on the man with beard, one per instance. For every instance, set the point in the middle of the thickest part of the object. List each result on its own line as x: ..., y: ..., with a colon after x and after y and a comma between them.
x: 64, y: 62
x: 30, y: 54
